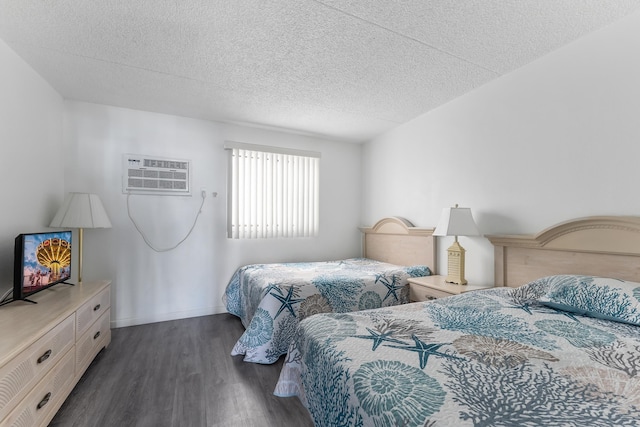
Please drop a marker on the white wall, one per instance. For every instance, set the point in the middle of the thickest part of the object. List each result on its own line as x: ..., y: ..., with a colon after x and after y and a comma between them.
x: 31, y: 116
x: 555, y: 140
x: 190, y: 280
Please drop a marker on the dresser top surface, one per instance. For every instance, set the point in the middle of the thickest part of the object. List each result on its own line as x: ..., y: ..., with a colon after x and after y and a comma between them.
x: 24, y: 322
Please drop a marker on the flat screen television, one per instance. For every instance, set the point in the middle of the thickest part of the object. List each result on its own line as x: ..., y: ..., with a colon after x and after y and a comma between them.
x: 41, y: 261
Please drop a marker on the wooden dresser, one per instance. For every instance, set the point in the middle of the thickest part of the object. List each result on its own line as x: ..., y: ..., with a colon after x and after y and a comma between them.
x: 46, y: 347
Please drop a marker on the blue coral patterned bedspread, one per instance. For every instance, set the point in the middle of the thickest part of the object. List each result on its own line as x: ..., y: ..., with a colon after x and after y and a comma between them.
x: 271, y: 299
x: 487, y: 358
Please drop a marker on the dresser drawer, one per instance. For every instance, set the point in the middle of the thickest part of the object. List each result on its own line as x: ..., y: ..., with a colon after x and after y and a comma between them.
x: 46, y: 397
x: 90, y: 311
x: 21, y: 373
x: 87, y: 346
x: 422, y: 293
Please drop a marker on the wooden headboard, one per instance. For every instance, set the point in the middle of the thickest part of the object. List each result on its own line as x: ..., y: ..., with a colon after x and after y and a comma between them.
x: 397, y: 241
x: 606, y: 246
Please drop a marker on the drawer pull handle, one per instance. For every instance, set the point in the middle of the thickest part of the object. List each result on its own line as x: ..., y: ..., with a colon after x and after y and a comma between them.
x: 96, y: 308
x: 96, y: 335
x: 44, y: 357
x: 44, y: 400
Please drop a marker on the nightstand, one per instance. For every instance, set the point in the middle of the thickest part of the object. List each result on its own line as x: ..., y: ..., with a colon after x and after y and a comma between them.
x: 432, y: 287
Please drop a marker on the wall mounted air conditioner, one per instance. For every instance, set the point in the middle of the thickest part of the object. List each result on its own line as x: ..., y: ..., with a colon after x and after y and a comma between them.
x: 156, y: 175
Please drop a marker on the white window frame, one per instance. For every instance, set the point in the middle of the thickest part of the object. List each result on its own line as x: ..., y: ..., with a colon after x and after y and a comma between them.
x: 272, y: 192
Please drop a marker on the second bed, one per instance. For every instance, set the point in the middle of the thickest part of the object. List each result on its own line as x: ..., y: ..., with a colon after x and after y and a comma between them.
x: 271, y: 299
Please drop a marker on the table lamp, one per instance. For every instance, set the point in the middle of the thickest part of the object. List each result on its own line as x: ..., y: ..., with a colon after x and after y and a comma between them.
x: 81, y: 210
x: 456, y: 222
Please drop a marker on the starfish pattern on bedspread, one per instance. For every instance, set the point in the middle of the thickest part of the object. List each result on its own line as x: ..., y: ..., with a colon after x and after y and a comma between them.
x: 425, y: 350
x: 287, y: 302
x: 378, y: 338
x: 272, y: 287
x: 391, y: 286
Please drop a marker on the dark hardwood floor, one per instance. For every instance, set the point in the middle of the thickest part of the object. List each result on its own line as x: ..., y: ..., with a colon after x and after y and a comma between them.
x: 178, y: 373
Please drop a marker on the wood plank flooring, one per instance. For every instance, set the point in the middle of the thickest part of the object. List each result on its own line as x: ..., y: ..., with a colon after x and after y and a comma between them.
x: 179, y: 374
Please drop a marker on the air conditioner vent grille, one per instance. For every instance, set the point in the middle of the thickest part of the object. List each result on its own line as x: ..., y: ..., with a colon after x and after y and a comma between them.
x: 155, y: 175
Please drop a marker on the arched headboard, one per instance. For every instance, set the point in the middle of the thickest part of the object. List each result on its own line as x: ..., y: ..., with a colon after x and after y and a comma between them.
x: 397, y: 241
x: 607, y: 246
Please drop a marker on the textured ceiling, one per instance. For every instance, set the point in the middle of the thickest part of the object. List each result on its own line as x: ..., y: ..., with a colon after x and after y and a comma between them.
x: 348, y: 70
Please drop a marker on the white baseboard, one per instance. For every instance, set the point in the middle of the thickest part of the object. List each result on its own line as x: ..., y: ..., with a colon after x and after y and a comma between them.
x: 163, y: 317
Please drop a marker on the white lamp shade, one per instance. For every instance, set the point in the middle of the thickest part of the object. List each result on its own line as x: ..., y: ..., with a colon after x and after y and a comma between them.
x: 81, y: 210
x: 456, y: 222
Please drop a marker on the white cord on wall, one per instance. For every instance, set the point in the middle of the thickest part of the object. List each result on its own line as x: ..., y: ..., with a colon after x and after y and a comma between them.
x: 203, y: 193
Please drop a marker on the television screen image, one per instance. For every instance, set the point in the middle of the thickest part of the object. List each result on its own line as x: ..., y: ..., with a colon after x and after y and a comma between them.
x: 41, y: 260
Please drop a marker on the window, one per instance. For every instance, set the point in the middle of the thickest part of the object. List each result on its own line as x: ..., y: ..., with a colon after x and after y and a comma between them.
x: 272, y: 192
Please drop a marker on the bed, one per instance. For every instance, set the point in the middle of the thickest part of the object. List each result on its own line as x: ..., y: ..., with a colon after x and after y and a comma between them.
x: 271, y: 299
x: 557, y: 343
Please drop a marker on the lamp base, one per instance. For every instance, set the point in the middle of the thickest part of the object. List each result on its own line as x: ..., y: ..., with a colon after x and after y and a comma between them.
x: 455, y: 280
x: 455, y: 267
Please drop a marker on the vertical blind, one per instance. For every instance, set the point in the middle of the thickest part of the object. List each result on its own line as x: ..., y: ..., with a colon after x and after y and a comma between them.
x: 272, y: 192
